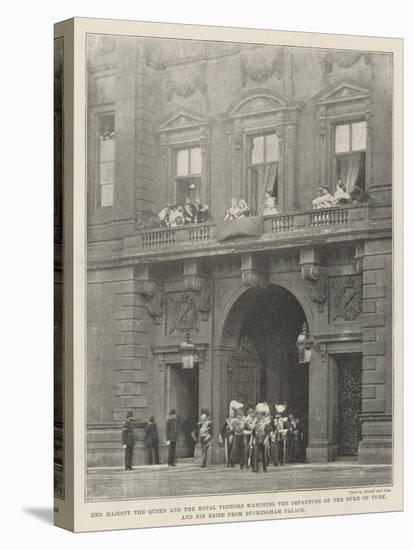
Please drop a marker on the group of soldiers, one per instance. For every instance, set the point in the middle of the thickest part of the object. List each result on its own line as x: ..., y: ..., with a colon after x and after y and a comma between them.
x: 250, y: 436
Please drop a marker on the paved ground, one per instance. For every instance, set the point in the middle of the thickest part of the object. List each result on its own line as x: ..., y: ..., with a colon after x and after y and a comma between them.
x: 190, y: 479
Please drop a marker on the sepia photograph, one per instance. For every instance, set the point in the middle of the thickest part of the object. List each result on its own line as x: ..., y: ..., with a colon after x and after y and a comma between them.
x: 239, y: 267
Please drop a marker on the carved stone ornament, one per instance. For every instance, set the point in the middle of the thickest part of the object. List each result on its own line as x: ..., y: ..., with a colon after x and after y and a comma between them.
x: 254, y: 278
x: 186, y: 83
x: 253, y: 272
x: 344, y: 59
x: 202, y: 287
x: 346, y: 298
x: 310, y: 272
x: 260, y: 65
x: 358, y: 258
x: 314, y: 276
x: 184, y: 313
x: 317, y: 290
x: 147, y: 288
x: 155, y: 301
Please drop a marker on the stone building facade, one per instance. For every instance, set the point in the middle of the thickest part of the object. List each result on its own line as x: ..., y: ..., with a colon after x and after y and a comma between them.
x: 169, y: 119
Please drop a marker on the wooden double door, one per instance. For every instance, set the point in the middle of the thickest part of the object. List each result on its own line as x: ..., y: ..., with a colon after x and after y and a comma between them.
x: 349, y: 405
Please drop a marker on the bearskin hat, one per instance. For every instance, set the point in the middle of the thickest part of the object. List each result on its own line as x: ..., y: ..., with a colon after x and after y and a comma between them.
x: 280, y: 407
x: 262, y: 408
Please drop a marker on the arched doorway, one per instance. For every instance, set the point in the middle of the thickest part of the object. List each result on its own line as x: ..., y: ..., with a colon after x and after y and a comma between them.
x: 259, y: 334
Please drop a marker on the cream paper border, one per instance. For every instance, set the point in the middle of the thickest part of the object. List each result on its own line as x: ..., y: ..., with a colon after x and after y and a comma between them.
x: 128, y: 514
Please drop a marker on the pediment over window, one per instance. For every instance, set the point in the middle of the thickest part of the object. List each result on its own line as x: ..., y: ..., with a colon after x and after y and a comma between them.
x: 342, y: 91
x: 182, y: 119
x: 258, y: 102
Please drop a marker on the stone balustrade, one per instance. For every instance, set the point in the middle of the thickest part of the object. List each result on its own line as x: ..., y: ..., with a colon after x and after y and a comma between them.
x: 292, y: 222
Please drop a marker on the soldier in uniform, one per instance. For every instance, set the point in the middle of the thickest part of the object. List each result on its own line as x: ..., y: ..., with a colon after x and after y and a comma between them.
x: 152, y: 441
x: 275, y: 440
x: 171, y: 436
x: 203, y: 434
x: 249, y: 437
x: 280, y: 433
x: 226, y: 436
x: 238, y: 447
x: 298, y: 437
x: 128, y: 440
x: 261, y: 433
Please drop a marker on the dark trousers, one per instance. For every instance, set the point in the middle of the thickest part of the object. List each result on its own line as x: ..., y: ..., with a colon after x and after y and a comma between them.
x: 171, y: 453
x: 260, y: 453
x: 283, y: 450
x: 238, y: 450
x: 204, y: 452
x: 290, y: 449
x: 128, y: 457
x: 228, y: 449
x: 275, y: 452
x: 248, y: 451
x: 153, y: 453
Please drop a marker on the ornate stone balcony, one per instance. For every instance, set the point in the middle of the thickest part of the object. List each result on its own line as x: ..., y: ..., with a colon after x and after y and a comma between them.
x: 291, y: 229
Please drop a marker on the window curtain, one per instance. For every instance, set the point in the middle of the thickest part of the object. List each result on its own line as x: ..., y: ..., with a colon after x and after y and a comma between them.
x: 350, y: 170
x: 262, y: 177
x: 270, y: 179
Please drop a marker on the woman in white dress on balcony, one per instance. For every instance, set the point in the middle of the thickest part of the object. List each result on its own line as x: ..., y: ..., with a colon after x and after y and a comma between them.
x: 172, y: 215
x: 324, y: 200
x: 244, y: 210
x: 270, y: 207
x: 164, y: 215
x: 233, y: 212
x: 179, y: 216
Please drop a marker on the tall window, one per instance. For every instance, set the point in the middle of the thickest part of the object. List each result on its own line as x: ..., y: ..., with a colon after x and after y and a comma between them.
x: 350, y: 155
x: 188, y: 174
x: 263, y: 170
x: 106, y: 159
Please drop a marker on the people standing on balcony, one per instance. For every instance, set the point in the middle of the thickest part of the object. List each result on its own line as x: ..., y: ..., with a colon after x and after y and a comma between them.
x: 189, y: 211
x: 324, y: 200
x: 244, y: 210
x: 341, y: 196
x: 172, y: 215
x: 171, y: 436
x: 179, y: 217
x: 233, y: 212
x: 270, y: 205
x: 164, y: 216
x: 201, y: 212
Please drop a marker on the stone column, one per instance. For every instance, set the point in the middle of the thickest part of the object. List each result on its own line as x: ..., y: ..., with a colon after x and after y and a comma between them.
x: 220, y: 398
x: 376, y: 444
x: 321, y: 445
x: 379, y: 131
x: 290, y: 161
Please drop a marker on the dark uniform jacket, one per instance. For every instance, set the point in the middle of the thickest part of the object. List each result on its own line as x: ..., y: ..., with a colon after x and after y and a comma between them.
x: 151, y: 433
x: 128, y: 436
x: 171, y: 429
